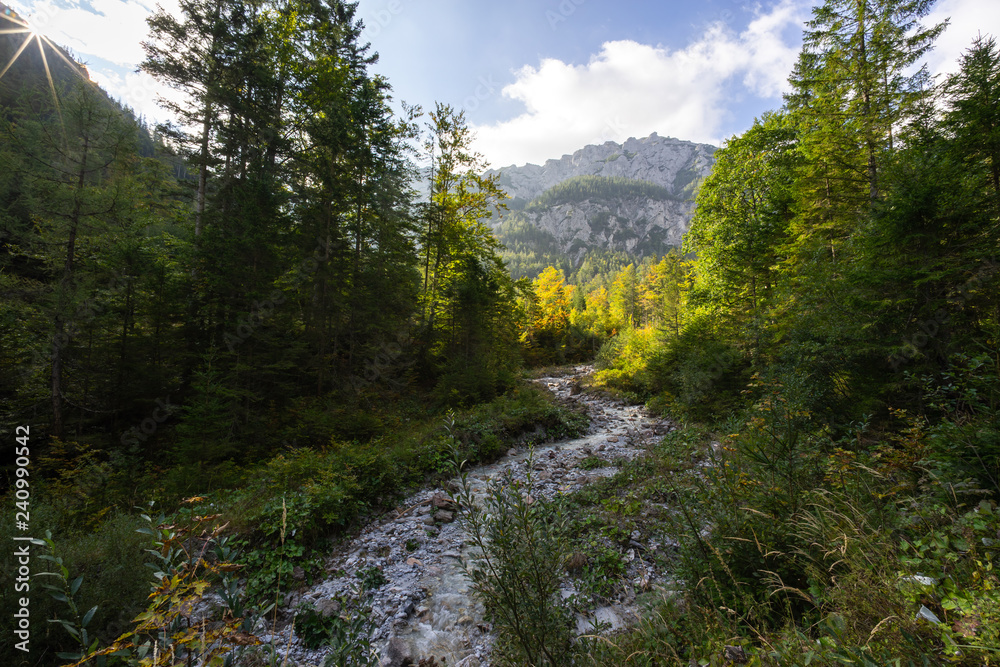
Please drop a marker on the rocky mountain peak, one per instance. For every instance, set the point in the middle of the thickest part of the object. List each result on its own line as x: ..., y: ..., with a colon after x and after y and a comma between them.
x: 665, y: 161
x: 636, y: 198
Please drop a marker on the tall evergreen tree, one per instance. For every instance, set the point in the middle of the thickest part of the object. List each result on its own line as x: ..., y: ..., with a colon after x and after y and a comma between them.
x: 852, y: 90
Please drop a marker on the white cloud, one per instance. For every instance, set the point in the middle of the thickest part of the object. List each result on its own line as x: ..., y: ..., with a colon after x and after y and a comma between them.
x: 113, y: 33
x: 968, y: 19
x: 632, y: 89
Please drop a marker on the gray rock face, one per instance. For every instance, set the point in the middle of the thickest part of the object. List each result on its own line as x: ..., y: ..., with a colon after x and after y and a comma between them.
x: 671, y: 163
x: 637, y: 225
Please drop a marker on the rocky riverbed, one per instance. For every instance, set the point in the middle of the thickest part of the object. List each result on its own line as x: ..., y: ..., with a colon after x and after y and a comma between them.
x: 410, y: 560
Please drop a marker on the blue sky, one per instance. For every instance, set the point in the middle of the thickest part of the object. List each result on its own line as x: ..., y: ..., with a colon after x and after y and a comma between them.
x: 540, y: 78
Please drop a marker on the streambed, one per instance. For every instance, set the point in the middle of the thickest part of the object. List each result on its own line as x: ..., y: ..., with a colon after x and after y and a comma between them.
x: 421, y: 602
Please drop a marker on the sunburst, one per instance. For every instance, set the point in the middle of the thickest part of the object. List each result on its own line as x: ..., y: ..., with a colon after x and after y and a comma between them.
x: 15, y: 24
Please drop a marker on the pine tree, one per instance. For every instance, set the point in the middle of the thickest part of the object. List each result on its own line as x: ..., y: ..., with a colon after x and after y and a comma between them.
x: 852, y: 92
x: 973, y: 95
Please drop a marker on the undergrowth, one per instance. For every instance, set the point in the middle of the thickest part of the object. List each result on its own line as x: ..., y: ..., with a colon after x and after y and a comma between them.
x: 797, y: 543
x: 275, y: 519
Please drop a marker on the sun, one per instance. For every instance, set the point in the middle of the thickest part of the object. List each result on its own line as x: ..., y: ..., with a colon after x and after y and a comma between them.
x: 12, y: 23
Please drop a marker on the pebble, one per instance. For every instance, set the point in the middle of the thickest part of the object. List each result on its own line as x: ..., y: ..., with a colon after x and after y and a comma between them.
x: 419, y: 547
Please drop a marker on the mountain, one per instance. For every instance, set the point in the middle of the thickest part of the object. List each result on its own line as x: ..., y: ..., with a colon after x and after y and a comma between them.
x: 633, y: 199
x: 30, y: 64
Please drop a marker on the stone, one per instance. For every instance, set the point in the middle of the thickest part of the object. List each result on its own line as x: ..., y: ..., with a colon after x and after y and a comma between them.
x: 298, y: 573
x: 660, y: 160
x: 441, y: 502
x: 613, y: 438
x: 735, y: 654
x: 413, y: 561
x: 512, y: 452
x: 444, y: 516
x: 328, y: 607
x: 396, y: 654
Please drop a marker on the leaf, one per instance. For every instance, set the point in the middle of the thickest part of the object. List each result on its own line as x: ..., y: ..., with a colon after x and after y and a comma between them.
x: 75, y: 585
x: 89, y: 615
x: 70, y: 628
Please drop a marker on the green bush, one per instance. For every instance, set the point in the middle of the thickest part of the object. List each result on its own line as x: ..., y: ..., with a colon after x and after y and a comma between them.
x: 522, y: 544
x: 698, y: 373
x: 111, y: 561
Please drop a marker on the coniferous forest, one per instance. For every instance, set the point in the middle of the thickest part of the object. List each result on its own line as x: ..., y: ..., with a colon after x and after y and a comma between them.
x: 230, y: 341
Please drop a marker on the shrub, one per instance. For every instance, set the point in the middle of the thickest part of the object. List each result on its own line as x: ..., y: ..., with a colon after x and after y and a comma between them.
x: 522, y: 543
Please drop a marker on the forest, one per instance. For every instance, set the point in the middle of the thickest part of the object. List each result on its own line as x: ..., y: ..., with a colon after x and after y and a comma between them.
x: 830, y: 333
x: 579, y: 188
x: 247, y: 331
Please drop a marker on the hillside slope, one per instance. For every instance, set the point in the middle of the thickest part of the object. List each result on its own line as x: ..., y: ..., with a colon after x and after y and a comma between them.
x: 634, y: 198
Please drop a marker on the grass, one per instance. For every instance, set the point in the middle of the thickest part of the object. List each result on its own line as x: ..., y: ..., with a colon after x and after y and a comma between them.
x: 281, y: 512
x: 825, y: 580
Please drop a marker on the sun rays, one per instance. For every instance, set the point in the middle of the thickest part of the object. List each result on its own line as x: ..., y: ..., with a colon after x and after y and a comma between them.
x: 13, y: 24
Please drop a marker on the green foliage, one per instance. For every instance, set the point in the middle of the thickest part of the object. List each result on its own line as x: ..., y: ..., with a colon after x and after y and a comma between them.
x: 592, y: 463
x: 350, y: 638
x: 345, y: 635
x: 528, y: 414
x: 107, y: 559
x: 605, y: 568
x: 621, y: 360
x: 468, y: 310
x: 742, y: 216
x: 299, y: 498
x: 312, y: 627
x: 516, y: 574
x: 65, y: 591
x: 168, y: 629
x: 579, y: 188
x: 371, y: 578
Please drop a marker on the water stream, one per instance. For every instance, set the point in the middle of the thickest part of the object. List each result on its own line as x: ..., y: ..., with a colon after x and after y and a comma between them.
x: 423, y: 607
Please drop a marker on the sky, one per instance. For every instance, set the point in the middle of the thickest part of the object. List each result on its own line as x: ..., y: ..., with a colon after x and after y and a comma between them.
x: 541, y: 78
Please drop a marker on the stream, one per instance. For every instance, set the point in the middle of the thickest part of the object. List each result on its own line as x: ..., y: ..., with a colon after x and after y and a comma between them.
x: 421, y: 603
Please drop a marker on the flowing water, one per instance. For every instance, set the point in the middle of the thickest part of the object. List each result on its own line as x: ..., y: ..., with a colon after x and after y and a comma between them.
x: 421, y: 605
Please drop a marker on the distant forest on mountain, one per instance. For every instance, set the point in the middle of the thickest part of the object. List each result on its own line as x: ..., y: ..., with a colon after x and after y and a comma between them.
x: 579, y: 188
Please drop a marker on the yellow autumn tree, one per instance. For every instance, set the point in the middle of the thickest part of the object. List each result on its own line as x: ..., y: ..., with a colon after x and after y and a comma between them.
x: 553, y: 300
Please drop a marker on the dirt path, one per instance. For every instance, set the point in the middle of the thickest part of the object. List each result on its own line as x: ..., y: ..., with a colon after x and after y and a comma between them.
x: 423, y: 607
